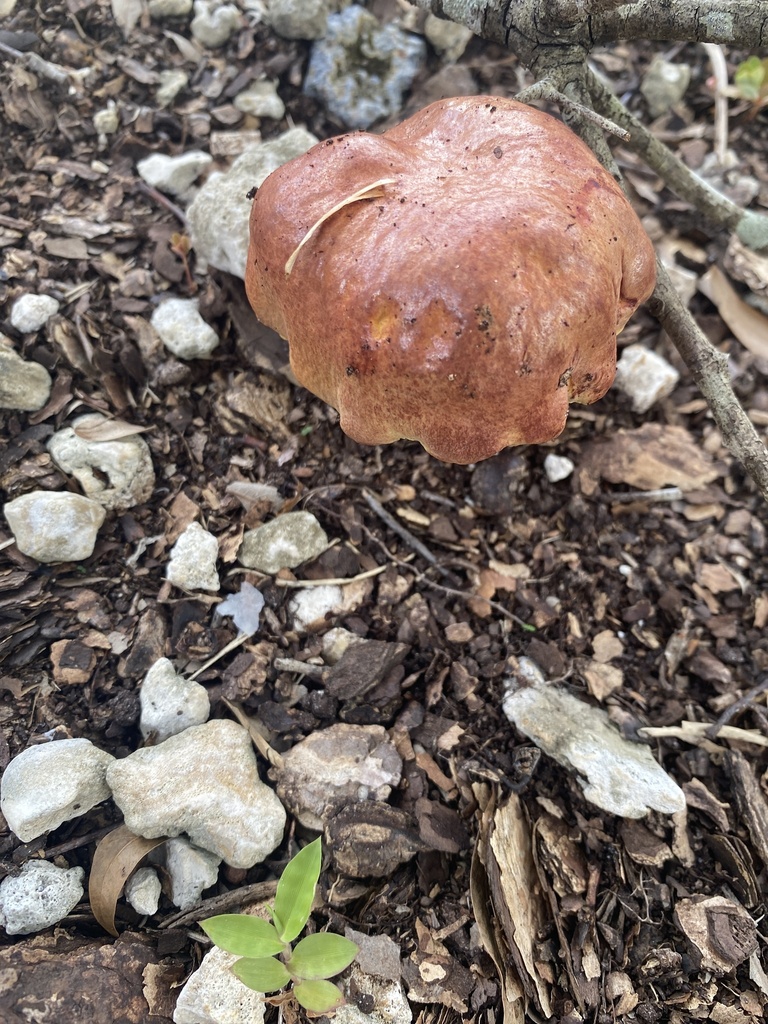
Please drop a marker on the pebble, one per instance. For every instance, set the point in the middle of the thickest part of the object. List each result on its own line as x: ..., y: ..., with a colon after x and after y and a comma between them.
x: 173, y: 174
x: 54, y: 526
x: 616, y: 775
x: 558, y: 467
x: 205, y: 783
x: 182, y: 330
x: 31, y: 312
x: 118, y: 474
x: 213, y: 995
x: 334, y: 766
x: 107, y: 120
x: 172, y: 81
x: 190, y: 870
x: 39, y: 896
x: 448, y: 37
x: 664, y: 84
x: 23, y: 385
x: 214, y: 23
x: 390, y: 1003
x: 360, y: 69
x: 170, y: 703
x: 336, y: 641
x: 142, y: 891
x: 193, y: 561
x: 283, y: 543
x: 261, y: 100
x: 50, y: 783
x: 310, y: 609
x: 192, y: 564
x: 169, y: 8
x: 218, y: 215
x: 645, y: 377
x: 299, y: 19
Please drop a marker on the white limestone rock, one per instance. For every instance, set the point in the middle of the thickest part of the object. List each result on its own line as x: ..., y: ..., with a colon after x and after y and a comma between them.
x: 159, y: 9
x: 299, y: 19
x: 192, y: 564
x: 261, y: 100
x: 142, y: 891
x: 172, y: 81
x: 31, y: 312
x: 336, y: 641
x: 618, y: 776
x: 39, y: 896
x: 107, y: 120
x: 51, y: 783
x: 665, y: 83
x: 645, y: 377
x: 54, y: 526
x: 337, y: 766
x: 214, y: 23
x: 218, y: 215
x: 213, y: 995
x: 558, y: 467
x: 182, y: 330
x: 173, y: 174
x: 191, y: 871
x: 283, y: 543
x: 205, y: 783
x: 170, y: 703
x: 24, y: 385
x: 118, y: 474
x: 309, y: 609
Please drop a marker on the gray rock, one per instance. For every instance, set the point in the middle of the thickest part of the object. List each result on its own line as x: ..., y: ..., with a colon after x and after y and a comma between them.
x: 39, y: 896
x: 192, y: 565
x: 205, y: 783
x: 218, y: 215
x: 645, y: 377
x: 665, y: 83
x: 337, y: 766
x: 51, y: 783
x: 261, y: 100
x: 54, y: 526
x: 361, y: 69
x: 191, y: 871
x: 118, y: 474
x: 23, y: 385
x: 214, y: 23
x: 173, y: 174
x: 213, y: 995
x: 390, y: 1004
x: 299, y: 19
x: 182, y: 330
x: 618, y: 776
x: 170, y: 703
x: 172, y: 81
x: 142, y: 891
x: 31, y: 312
x: 283, y: 543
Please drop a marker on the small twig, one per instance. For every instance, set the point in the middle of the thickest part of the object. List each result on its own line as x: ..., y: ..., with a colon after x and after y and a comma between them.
x: 158, y: 197
x: 259, y: 892
x: 738, y: 705
x: 406, y: 535
x: 339, y: 581
x: 662, y: 494
x: 466, y: 596
x: 231, y: 646
x: 544, y: 90
x: 697, y: 732
x: 300, y: 667
x: 256, y: 738
x: 37, y: 65
x: 720, y: 75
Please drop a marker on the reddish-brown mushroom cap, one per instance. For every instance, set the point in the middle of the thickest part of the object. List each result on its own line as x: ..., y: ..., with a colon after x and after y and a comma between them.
x: 473, y: 298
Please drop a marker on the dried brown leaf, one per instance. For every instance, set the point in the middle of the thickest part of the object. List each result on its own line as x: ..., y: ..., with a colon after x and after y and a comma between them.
x: 109, y: 430
x: 116, y: 857
x: 749, y: 326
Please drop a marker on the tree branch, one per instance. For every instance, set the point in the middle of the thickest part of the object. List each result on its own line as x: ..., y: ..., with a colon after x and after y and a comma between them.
x: 709, y: 369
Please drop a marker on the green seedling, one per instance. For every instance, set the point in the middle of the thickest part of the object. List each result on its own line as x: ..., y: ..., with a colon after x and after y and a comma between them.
x: 751, y: 80
x: 268, y: 961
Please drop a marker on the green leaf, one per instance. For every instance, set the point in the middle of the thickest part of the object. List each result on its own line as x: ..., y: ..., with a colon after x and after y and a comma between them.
x: 296, y: 890
x: 321, y: 956
x: 750, y: 78
x: 243, y: 935
x: 318, y: 996
x: 264, y: 974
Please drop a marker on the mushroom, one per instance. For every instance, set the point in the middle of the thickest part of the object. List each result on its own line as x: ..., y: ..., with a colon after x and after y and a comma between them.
x: 456, y: 280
